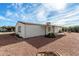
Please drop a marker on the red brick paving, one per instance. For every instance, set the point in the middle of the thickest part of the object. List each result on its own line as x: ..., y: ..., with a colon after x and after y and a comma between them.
x: 67, y: 45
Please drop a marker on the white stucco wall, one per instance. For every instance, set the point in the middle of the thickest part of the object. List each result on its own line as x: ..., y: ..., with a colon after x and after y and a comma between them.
x: 22, y: 30
x: 54, y: 29
x: 47, y: 32
x: 34, y: 30
x: 57, y: 29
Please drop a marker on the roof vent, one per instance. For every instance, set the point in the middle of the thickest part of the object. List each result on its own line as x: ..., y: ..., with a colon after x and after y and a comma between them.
x: 48, y: 23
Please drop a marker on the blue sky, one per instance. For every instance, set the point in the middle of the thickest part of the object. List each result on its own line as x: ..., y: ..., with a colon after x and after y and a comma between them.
x: 63, y: 14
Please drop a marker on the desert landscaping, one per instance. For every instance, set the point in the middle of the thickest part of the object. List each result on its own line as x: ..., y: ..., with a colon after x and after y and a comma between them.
x: 64, y: 45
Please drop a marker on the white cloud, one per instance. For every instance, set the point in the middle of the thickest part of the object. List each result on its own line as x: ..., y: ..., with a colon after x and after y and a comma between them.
x: 65, y: 21
x: 37, y: 1
x: 6, y: 19
x: 2, y: 18
x: 17, y: 5
x: 20, y: 14
x: 63, y: 18
x: 25, y: 17
x: 40, y: 14
x: 55, y: 6
x: 11, y: 15
x: 8, y: 13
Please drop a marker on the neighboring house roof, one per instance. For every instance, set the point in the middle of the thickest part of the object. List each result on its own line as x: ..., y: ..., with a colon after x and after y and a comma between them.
x: 26, y: 23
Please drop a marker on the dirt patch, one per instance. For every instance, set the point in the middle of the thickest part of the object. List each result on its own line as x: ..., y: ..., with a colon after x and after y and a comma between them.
x: 63, y: 45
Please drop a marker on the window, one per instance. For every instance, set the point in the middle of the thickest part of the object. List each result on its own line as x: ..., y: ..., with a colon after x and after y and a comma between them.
x: 19, y: 28
x: 49, y: 28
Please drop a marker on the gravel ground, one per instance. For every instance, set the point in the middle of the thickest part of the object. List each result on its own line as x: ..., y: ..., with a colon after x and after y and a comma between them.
x: 65, y: 45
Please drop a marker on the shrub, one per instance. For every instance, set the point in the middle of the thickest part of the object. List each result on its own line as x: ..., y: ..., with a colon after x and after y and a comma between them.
x: 18, y: 36
x: 51, y: 35
x: 60, y: 31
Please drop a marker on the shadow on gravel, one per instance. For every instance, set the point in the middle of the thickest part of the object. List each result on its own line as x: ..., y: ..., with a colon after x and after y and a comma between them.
x: 36, y: 42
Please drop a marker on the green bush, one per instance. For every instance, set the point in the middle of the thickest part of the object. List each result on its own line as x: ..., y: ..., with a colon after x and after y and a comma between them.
x: 71, y: 29
x: 60, y: 31
x: 51, y: 35
x: 18, y: 36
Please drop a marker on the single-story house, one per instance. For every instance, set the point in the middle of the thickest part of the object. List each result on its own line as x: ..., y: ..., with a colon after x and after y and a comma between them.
x: 27, y: 30
x: 2, y: 29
